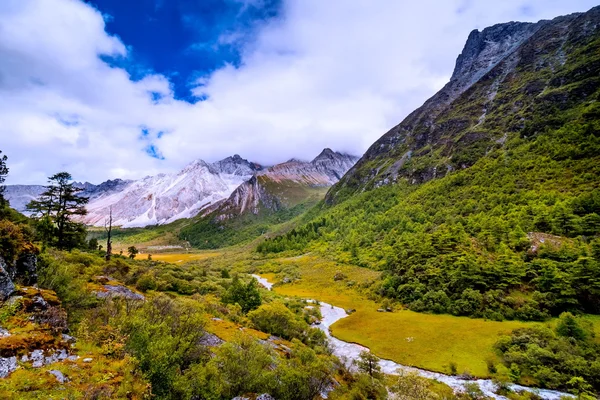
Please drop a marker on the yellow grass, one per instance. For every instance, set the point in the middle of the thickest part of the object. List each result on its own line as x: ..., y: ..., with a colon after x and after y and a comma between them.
x: 423, y: 340
x: 227, y: 330
x: 177, y: 258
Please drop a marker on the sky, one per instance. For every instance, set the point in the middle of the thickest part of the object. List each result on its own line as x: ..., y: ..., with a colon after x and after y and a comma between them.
x: 110, y: 89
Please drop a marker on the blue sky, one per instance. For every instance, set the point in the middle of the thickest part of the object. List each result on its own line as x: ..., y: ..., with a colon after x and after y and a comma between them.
x: 183, y: 39
x: 110, y: 89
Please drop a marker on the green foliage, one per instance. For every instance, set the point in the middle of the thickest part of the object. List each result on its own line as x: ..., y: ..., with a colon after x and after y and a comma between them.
x: 208, y: 232
x: 412, y: 386
x: 14, y: 240
x: 277, y: 319
x: 246, y: 295
x: 567, y: 358
x: 63, y: 274
x: 245, y: 366
x: 132, y: 251
x: 93, y: 244
x: 368, y: 363
x: 361, y: 387
x: 164, y: 336
x: 569, y: 327
x: 458, y: 244
x: 146, y: 282
x: 54, y: 212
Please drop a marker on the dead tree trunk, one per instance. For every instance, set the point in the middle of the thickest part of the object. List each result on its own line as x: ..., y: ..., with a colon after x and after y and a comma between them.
x: 108, y: 228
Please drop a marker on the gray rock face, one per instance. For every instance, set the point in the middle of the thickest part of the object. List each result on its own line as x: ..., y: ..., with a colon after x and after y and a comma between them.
x: 26, y: 269
x: 7, y: 365
x: 265, y: 396
x: 236, y: 165
x: 210, y: 340
x: 60, y: 377
x: 38, y: 358
x: 154, y: 199
x: 119, y: 291
x: 333, y: 164
x: 7, y: 286
x: 485, y: 49
x: 20, y: 195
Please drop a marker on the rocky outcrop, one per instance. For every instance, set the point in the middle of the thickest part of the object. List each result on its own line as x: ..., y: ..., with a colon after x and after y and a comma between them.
x: 505, y: 75
x: 7, y: 287
x: 26, y: 269
x: 7, y: 365
x: 118, y: 291
x: 236, y: 165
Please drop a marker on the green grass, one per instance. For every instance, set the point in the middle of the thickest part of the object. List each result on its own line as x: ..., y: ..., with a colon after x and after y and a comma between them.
x: 428, y: 341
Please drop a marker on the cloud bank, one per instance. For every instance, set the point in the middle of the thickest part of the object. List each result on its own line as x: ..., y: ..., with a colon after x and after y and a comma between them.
x: 335, y: 73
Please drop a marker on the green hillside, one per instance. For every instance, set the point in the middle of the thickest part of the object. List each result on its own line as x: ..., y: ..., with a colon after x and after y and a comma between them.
x: 511, y: 231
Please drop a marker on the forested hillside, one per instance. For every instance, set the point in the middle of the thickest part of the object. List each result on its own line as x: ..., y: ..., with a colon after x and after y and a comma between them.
x: 495, y: 211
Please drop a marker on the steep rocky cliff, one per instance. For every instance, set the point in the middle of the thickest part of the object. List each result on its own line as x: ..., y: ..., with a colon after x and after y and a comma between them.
x: 506, y: 77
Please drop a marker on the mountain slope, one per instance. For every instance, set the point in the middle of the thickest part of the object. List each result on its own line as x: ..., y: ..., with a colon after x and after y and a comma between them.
x: 487, y: 204
x: 507, y: 78
x: 284, y: 185
x: 272, y: 196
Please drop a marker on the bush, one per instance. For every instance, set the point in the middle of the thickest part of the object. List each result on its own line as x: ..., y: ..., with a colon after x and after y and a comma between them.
x: 277, y: 319
x: 146, y: 282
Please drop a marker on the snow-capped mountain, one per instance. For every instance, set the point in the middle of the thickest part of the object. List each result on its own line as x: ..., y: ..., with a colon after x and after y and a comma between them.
x: 283, y: 185
x: 154, y: 199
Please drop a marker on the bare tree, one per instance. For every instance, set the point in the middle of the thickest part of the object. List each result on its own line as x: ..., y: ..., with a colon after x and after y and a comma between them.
x: 108, y: 228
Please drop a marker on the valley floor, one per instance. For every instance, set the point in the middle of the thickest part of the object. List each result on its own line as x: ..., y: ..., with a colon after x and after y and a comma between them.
x: 426, y: 341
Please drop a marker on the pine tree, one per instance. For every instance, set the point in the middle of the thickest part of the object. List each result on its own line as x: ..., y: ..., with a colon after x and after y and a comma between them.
x: 55, y: 210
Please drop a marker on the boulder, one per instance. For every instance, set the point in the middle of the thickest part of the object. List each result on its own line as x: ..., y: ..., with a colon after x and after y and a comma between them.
x: 210, y: 340
x: 26, y: 269
x: 7, y: 287
x: 60, y: 377
x: 265, y: 396
x: 37, y: 358
x: 119, y: 291
x: 38, y: 304
x: 7, y: 365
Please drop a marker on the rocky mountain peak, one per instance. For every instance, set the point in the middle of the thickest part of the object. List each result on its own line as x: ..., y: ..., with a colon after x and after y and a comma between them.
x: 484, y: 50
x: 194, y: 165
x: 328, y: 156
x: 236, y: 165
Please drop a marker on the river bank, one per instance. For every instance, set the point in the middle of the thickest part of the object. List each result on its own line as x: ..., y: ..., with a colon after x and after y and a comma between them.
x: 350, y: 351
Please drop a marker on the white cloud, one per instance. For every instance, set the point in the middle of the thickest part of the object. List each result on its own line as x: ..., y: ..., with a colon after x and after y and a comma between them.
x: 335, y: 73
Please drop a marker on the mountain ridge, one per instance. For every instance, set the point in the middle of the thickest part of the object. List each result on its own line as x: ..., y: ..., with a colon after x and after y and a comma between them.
x: 428, y: 142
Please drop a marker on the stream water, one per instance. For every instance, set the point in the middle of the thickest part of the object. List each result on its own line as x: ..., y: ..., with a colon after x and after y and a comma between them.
x: 351, y: 351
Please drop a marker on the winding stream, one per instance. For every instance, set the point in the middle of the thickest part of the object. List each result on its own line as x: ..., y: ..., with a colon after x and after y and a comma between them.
x: 350, y: 351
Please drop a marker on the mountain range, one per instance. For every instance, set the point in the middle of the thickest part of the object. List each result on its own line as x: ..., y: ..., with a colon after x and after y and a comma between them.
x: 228, y: 186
